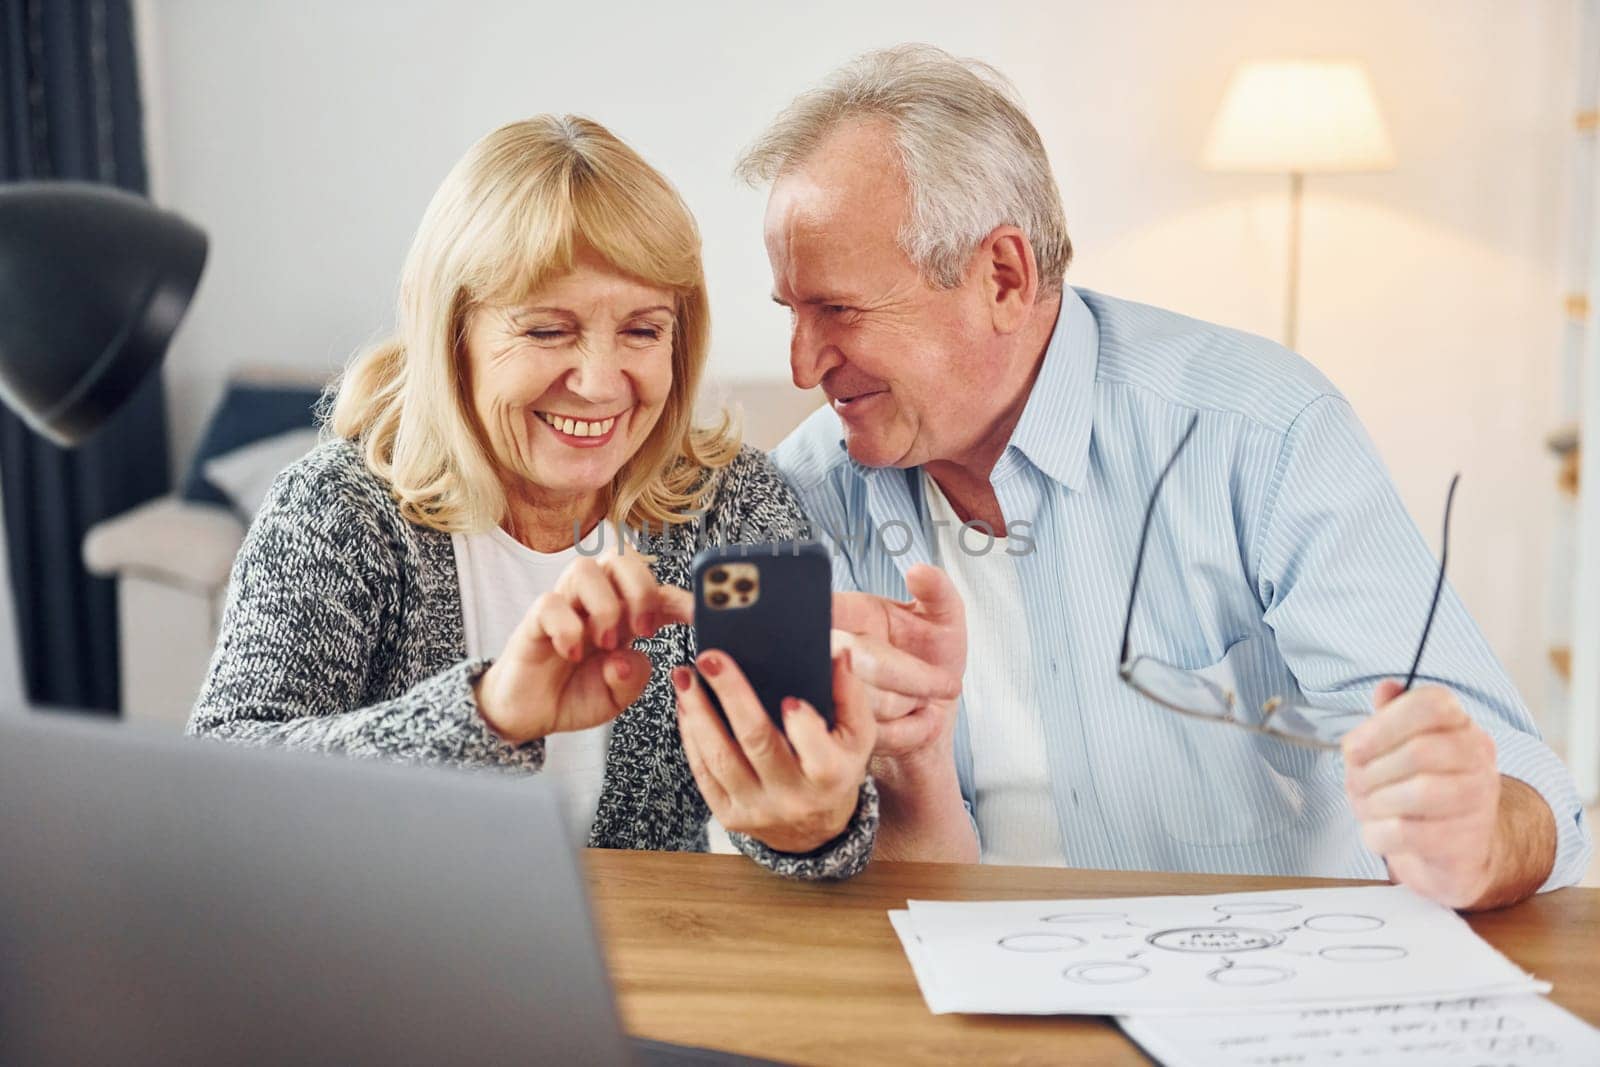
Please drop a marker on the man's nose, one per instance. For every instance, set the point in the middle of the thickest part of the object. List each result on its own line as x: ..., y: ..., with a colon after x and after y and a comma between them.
x: 811, y: 355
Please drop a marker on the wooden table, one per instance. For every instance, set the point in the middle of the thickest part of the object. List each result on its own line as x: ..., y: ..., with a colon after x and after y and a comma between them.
x: 710, y: 950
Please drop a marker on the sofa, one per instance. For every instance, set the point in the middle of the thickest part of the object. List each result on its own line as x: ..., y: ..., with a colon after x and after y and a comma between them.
x: 171, y: 557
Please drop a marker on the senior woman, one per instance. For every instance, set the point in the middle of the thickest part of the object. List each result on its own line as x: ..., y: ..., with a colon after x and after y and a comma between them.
x: 431, y: 585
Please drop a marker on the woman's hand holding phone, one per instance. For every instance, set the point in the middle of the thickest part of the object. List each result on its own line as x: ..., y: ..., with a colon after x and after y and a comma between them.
x: 569, y: 665
x: 792, y: 793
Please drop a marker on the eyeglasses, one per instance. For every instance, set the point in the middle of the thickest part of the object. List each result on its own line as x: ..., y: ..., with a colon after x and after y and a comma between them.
x: 1186, y: 692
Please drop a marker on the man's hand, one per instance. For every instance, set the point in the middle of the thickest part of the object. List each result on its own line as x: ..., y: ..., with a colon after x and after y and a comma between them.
x: 1422, y: 781
x: 910, y: 656
x: 793, y: 793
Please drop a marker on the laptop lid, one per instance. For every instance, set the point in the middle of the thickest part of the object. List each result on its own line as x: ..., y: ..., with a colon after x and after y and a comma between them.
x: 166, y: 900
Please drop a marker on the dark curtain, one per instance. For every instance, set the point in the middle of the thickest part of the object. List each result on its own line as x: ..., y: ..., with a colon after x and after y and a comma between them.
x: 69, y: 108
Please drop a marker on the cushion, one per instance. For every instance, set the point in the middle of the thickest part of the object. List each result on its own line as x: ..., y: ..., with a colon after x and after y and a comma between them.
x: 249, y: 412
x: 246, y: 474
x: 168, y: 540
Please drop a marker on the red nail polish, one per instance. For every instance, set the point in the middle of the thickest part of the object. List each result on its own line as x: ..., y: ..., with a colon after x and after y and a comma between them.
x: 711, y: 665
x: 624, y: 669
x: 790, y: 705
x: 680, y: 679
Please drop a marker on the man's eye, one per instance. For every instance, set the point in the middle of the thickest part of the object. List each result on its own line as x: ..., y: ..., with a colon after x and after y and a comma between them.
x: 835, y: 309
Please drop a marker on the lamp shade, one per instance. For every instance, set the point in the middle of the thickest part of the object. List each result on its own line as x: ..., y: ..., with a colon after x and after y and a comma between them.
x: 1301, y: 116
x: 93, y: 284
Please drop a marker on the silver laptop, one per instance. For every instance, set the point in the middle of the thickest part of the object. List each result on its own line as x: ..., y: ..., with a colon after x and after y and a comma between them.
x: 172, y: 901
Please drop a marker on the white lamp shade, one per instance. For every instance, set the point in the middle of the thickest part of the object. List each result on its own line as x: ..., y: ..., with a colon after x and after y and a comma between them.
x: 1301, y: 116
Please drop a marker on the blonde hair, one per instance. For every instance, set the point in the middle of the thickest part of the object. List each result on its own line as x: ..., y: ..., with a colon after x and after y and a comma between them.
x: 972, y: 160
x: 516, y: 210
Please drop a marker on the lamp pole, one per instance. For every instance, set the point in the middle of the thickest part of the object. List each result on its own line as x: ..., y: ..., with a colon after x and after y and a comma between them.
x: 1292, y: 312
x: 1297, y: 117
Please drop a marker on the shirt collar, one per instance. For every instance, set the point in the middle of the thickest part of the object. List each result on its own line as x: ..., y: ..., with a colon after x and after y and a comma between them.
x: 1053, y: 432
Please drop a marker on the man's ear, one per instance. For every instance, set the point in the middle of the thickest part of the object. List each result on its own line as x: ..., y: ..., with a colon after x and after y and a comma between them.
x: 1009, y: 275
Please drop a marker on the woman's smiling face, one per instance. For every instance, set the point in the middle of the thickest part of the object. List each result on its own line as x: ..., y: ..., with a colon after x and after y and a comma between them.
x: 568, y: 383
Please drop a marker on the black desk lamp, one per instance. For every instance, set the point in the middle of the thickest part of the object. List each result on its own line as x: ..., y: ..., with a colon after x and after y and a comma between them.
x: 93, y: 284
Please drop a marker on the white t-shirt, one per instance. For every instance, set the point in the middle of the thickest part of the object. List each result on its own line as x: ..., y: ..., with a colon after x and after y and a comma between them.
x: 500, y: 579
x: 1012, y: 803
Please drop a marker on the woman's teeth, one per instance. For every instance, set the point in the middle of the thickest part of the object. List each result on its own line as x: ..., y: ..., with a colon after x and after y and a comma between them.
x: 578, y: 427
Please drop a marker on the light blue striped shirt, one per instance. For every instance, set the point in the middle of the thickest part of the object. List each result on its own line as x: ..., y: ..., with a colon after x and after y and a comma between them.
x: 1281, y: 556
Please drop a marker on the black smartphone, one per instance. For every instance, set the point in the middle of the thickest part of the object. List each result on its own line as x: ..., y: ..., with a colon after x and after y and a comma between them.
x: 770, y: 608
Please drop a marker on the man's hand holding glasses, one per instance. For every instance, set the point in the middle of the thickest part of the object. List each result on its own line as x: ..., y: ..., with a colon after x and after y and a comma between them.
x: 1422, y: 780
x: 1419, y: 771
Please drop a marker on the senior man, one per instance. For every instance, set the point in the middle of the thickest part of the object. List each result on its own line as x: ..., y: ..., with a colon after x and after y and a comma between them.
x: 917, y: 239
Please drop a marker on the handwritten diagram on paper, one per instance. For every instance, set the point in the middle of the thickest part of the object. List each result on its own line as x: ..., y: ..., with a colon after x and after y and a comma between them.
x: 1520, y: 1031
x: 1378, y: 944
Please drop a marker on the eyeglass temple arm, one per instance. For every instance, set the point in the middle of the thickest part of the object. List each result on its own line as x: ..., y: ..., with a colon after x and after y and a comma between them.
x: 1144, y: 536
x: 1438, y: 587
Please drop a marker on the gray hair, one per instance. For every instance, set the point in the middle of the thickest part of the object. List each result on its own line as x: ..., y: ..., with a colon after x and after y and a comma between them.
x: 972, y: 159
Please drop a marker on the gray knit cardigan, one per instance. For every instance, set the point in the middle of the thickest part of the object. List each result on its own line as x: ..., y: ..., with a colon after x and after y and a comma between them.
x: 343, y: 633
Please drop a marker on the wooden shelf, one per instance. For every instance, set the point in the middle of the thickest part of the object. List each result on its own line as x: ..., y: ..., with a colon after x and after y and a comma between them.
x: 1563, y: 440
x: 1564, y: 444
x: 1561, y: 660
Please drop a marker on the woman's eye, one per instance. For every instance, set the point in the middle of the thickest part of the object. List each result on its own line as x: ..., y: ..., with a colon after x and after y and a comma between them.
x: 648, y: 333
x: 547, y: 335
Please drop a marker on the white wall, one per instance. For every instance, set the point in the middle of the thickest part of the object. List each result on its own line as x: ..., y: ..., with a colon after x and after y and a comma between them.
x: 307, y: 138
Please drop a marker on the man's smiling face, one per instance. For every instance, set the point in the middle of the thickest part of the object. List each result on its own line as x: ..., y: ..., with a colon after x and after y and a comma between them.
x: 899, y: 361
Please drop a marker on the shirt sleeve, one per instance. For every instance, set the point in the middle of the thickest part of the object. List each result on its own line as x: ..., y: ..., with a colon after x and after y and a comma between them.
x: 822, y: 500
x: 1345, y: 579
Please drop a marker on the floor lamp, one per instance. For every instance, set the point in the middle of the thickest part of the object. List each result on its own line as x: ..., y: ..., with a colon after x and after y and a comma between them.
x: 1298, y: 117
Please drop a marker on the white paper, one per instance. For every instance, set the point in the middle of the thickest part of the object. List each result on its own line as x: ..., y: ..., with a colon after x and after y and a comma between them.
x: 1524, y: 1031
x: 920, y: 966
x: 1236, y: 952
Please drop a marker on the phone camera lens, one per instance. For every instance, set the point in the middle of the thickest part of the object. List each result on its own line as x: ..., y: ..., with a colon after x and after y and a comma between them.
x: 744, y: 585
x: 719, y: 599
x: 718, y: 576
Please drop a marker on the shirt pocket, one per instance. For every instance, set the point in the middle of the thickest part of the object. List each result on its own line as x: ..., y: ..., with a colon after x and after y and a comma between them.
x: 1218, y: 785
